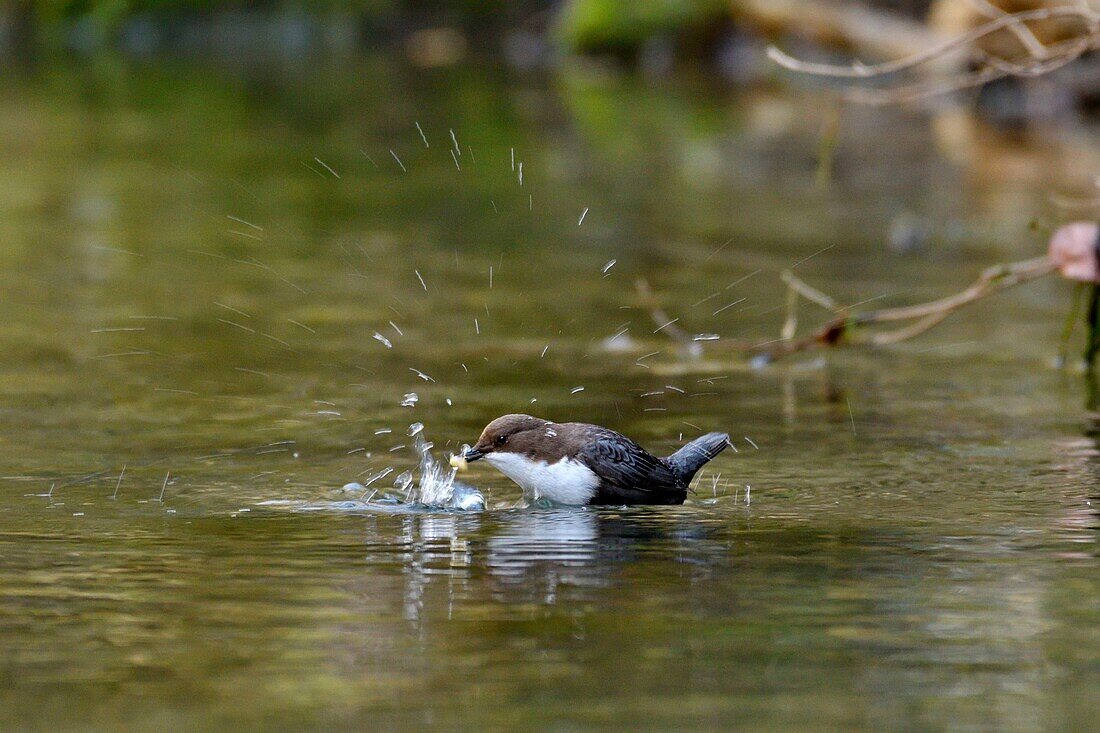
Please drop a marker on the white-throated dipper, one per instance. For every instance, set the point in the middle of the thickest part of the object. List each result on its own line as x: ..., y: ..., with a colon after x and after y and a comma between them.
x: 576, y: 463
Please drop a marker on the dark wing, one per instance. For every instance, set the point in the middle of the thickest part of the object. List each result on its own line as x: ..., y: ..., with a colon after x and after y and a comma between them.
x: 628, y: 473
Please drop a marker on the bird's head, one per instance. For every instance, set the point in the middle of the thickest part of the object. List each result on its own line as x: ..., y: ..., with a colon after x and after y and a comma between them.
x: 509, y: 433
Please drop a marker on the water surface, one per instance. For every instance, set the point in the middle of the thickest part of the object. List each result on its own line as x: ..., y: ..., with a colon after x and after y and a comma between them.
x: 194, y: 267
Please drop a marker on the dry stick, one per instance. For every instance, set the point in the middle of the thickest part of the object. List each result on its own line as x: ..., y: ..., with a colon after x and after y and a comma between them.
x: 808, y: 292
x: 991, y: 280
x: 1040, y: 58
x: 865, y: 71
x: 996, y: 69
x: 1023, y: 34
x: 923, y: 90
x: 795, y: 288
x: 842, y: 328
x: 665, y: 324
x: 908, y: 332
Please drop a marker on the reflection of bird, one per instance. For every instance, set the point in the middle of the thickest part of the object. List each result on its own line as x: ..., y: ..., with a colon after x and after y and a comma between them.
x: 576, y: 463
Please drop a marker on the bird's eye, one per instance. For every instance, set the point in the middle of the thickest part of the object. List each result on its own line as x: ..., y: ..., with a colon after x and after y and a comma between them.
x: 501, y: 439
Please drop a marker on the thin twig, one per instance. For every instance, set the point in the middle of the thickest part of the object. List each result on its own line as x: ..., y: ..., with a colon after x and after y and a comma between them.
x: 1023, y: 34
x: 849, y: 327
x: 1038, y: 58
x: 809, y: 293
x: 664, y: 323
x: 858, y: 70
x: 843, y: 328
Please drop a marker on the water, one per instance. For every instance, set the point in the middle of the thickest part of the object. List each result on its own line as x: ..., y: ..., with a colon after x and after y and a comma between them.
x: 188, y: 292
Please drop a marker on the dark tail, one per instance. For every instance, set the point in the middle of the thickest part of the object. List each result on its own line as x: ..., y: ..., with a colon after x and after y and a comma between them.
x: 689, y: 459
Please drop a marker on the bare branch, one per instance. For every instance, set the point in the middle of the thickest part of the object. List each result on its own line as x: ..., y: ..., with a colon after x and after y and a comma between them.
x: 858, y: 70
x: 845, y: 327
x: 809, y: 293
x: 1023, y: 34
x: 665, y: 324
x: 1038, y: 58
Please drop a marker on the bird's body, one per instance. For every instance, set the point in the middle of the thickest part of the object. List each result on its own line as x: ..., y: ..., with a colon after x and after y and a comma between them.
x: 577, y: 463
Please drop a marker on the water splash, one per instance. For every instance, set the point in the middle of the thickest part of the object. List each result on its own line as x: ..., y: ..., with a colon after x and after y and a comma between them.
x: 434, y: 489
x: 404, y: 482
x: 436, y: 482
x: 436, y: 485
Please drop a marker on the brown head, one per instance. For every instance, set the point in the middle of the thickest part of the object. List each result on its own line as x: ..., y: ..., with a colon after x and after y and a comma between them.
x: 511, y: 433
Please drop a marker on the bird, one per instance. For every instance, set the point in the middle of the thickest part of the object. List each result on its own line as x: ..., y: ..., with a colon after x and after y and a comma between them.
x: 581, y: 464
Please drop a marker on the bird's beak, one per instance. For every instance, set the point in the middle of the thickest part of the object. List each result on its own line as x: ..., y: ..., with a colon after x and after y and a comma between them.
x: 472, y: 454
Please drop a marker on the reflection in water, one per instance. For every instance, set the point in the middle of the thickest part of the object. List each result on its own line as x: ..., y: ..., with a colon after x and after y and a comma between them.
x: 186, y: 293
x: 547, y: 556
x: 435, y: 551
x: 952, y: 629
x: 534, y: 554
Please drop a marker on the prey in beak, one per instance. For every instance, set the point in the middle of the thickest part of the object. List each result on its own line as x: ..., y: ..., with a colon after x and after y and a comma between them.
x: 459, y: 462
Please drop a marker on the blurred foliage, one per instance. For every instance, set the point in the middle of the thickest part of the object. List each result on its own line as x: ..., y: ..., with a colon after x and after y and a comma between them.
x: 620, y: 27
x: 50, y: 20
x: 46, y: 12
x: 623, y: 25
x: 108, y: 10
x: 47, y: 20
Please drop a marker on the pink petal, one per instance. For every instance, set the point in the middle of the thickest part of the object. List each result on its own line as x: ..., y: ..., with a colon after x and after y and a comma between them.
x: 1073, y: 251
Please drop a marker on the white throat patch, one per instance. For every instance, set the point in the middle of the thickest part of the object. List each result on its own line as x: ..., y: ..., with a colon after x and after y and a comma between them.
x: 564, y: 482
